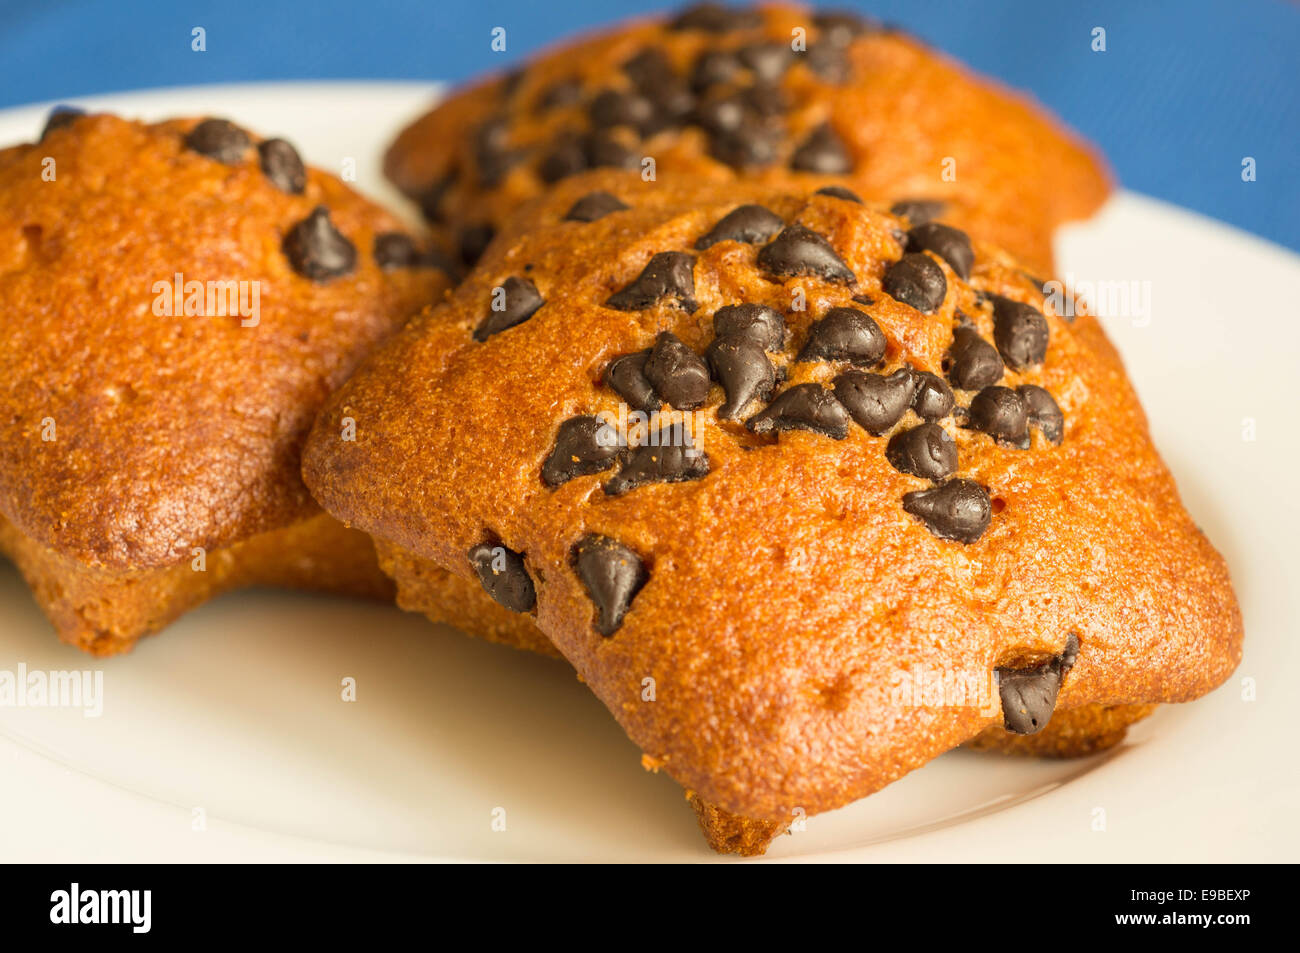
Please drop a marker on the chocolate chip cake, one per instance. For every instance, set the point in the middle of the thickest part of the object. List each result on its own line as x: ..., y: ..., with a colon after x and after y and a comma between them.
x: 180, y: 299
x: 807, y: 492
x: 779, y: 94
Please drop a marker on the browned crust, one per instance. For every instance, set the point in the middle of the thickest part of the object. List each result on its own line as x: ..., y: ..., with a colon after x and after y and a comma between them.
x: 106, y: 613
x: 805, y: 587
x: 1016, y: 172
x: 170, y: 433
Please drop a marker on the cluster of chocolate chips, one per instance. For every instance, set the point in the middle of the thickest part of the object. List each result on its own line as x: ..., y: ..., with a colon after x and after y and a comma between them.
x: 315, y: 248
x: 733, y: 94
x: 747, y: 358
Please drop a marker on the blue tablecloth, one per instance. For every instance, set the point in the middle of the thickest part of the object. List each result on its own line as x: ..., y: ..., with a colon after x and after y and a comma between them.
x: 1183, y: 93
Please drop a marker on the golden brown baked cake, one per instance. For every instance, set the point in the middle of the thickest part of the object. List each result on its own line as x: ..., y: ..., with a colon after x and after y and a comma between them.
x: 180, y: 299
x: 876, y: 460
x: 780, y: 94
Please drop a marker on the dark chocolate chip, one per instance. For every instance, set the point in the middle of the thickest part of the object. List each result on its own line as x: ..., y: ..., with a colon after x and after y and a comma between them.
x: 613, y: 107
x: 1029, y: 694
x: 59, y: 118
x: 604, y: 150
x: 613, y: 575
x: 714, y: 68
x: 396, y: 250
x: 761, y: 324
x: 317, y: 250
x: 1044, y: 413
x: 594, y: 206
x: 822, y: 152
x: 840, y: 27
x: 749, y: 146
x: 567, y: 156
x: 668, y: 456
x: 844, y: 334
x: 564, y: 92
x: 219, y: 139
x: 668, y: 275
x: 493, y: 157
x: 1000, y: 413
x: 431, y: 199
x: 875, y: 401
x: 673, y: 104
x: 767, y: 61
x: 918, y: 211
x: 925, y: 451
x: 1020, y: 332
x: 715, y: 18
x: 720, y: 114
x: 803, y: 407
x: 584, y: 445
x: 503, y: 575
x: 746, y: 223
x: 473, y: 241
x: 741, y: 366
x: 513, y: 302
x: 626, y: 377
x: 973, y: 363
x: 917, y: 281
x: 798, y: 250
x: 950, y: 244
x: 282, y: 165
x: 677, y: 373
x: 958, y: 510
x: 933, y: 398
x: 764, y: 100
x: 840, y: 192
x: 649, y: 68
x: 828, y: 62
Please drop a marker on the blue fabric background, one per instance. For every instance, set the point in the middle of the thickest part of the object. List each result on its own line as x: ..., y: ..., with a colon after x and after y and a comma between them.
x: 1184, y: 91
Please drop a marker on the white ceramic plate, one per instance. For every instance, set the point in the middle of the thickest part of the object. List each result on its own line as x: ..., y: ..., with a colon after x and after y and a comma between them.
x: 225, y: 738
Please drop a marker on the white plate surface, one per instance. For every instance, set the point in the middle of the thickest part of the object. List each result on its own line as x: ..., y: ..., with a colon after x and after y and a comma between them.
x: 234, y: 714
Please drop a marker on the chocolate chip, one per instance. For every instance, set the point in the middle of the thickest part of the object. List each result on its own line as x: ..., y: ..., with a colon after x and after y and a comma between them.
x: 715, y: 18
x: 764, y: 100
x: 958, y: 510
x: 626, y: 377
x: 1043, y: 411
x: 1029, y: 694
x: 583, y: 445
x: 668, y: 275
x: 933, y: 399
x: 677, y: 373
x: 673, y: 104
x: 1020, y: 332
x: 282, y: 165
x: 714, y: 68
x: 613, y: 575
x: 741, y: 366
x: 649, y: 68
x: 828, y: 62
x: 492, y: 156
x: 513, y: 302
x: 925, y: 451
x: 918, y: 211
x: 613, y: 107
x: 603, y: 150
x: 398, y: 250
x: 317, y: 250
x: 973, y: 363
x: 564, y: 92
x: 840, y: 192
x: 767, y: 61
x: 668, y: 456
x: 594, y: 206
x: 844, y: 334
x: 1000, y: 413
x: 431, y: 199
x: 840, y: 27
x: 757, y: 322
x: 798, y: 250
x: 750, y: 146
x: 950, y: 244
x: 566, y: 156
x: 803, y: 407
x: 720, y: 114
x: 746, y: 223
x: 60, y: 117
x: 503, y: 576
x: 822, y: 152
x: 917, y: 281
x: 473, y: 241
x: 219, y: 139
x: 875, y: 401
